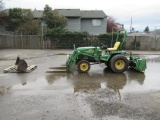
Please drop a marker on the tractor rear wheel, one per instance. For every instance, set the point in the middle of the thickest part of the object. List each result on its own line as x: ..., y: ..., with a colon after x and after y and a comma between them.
x: 83, y: 66
x: 119, y: 63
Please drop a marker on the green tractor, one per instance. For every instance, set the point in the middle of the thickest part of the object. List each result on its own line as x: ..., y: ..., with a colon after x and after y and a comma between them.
x: 114, y: 58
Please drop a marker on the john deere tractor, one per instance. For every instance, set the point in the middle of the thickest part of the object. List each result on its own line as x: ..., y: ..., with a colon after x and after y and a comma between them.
x: 114, y: 58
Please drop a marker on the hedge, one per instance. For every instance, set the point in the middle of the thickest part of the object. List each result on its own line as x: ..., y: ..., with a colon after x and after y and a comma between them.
x: 64, y: 39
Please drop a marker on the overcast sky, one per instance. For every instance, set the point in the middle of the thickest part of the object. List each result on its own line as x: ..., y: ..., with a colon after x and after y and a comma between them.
x: 143, y: 12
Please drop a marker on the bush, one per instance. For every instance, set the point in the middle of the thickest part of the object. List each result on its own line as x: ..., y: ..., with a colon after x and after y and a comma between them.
x: 64, y: 39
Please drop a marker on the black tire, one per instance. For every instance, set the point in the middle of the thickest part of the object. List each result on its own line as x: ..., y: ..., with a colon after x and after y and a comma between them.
x: 119, y: 63
x: 83, y: 66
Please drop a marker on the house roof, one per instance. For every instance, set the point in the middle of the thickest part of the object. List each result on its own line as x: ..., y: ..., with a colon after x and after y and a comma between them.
x: 70, y: 12
x: 75, y: 13
x: 38, y: 13
x: 93, y: 14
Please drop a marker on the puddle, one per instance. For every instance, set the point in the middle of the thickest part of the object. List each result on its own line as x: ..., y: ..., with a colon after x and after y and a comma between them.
x: 92, y: 81
x: 41, y: 83
x: 98, y: 77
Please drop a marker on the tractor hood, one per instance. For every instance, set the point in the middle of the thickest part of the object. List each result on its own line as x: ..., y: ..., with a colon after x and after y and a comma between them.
x: 89, y: 49
x: 85, y: 48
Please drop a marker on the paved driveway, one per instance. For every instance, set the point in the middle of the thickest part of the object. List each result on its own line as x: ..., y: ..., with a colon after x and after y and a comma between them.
x: 98, y: 94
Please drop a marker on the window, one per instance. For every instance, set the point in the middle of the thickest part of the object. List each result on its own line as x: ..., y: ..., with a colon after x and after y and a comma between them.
x: 96, y: 22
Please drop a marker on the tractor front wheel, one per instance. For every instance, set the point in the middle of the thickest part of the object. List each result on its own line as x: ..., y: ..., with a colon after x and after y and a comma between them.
x: 119, y: 63
x: 83, y: 66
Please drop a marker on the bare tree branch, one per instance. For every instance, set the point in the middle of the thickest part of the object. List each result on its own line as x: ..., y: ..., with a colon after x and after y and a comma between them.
x: 112, y: 25
x: 1, y: 5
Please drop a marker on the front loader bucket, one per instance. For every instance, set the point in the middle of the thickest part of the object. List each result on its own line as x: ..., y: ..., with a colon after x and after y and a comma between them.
x: 137, y: 64
x: 21, y: 64
x: 71, y: 59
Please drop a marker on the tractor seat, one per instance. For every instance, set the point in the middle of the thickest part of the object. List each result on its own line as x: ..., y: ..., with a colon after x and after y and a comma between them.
x: 116, y: 46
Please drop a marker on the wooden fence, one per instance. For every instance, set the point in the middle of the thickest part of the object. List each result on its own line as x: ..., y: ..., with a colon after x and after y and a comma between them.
x: 21, y: 42
x: 143, y: 43
x: 8, y: 41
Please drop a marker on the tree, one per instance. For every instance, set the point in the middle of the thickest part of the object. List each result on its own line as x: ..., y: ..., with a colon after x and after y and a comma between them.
x: 112, y: 25
x: 146, y: 29
x: 53, y: 19
x: 3, y: 15
x: 29, y: 27
x: 18, y: 16
x: 1, y: 5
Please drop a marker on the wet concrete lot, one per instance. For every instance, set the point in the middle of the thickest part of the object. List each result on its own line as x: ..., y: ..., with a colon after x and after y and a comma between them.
x: 98, y: 94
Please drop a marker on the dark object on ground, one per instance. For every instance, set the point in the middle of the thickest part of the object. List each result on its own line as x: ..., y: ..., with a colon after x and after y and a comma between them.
x: 21, y: 64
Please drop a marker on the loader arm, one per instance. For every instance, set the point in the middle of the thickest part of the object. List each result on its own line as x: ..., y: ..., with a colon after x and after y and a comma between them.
x: 71, y: 59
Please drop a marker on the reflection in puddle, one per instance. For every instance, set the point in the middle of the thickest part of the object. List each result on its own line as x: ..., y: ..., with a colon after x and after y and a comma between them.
x: 85, y: 82
x: 37, y: 84
x: 79, y: 82
x: 135, y: 76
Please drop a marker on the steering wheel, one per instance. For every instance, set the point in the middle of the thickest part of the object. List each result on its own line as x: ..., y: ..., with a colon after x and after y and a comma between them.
x: 103, y: 46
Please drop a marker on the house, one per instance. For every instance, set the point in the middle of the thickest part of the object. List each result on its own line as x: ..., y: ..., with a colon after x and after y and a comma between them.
x: 92, y: 21
x: 95, y: 22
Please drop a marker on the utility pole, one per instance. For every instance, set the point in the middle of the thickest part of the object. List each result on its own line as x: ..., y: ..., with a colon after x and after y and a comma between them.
x: 131, y: 25
x: 42, y: 25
